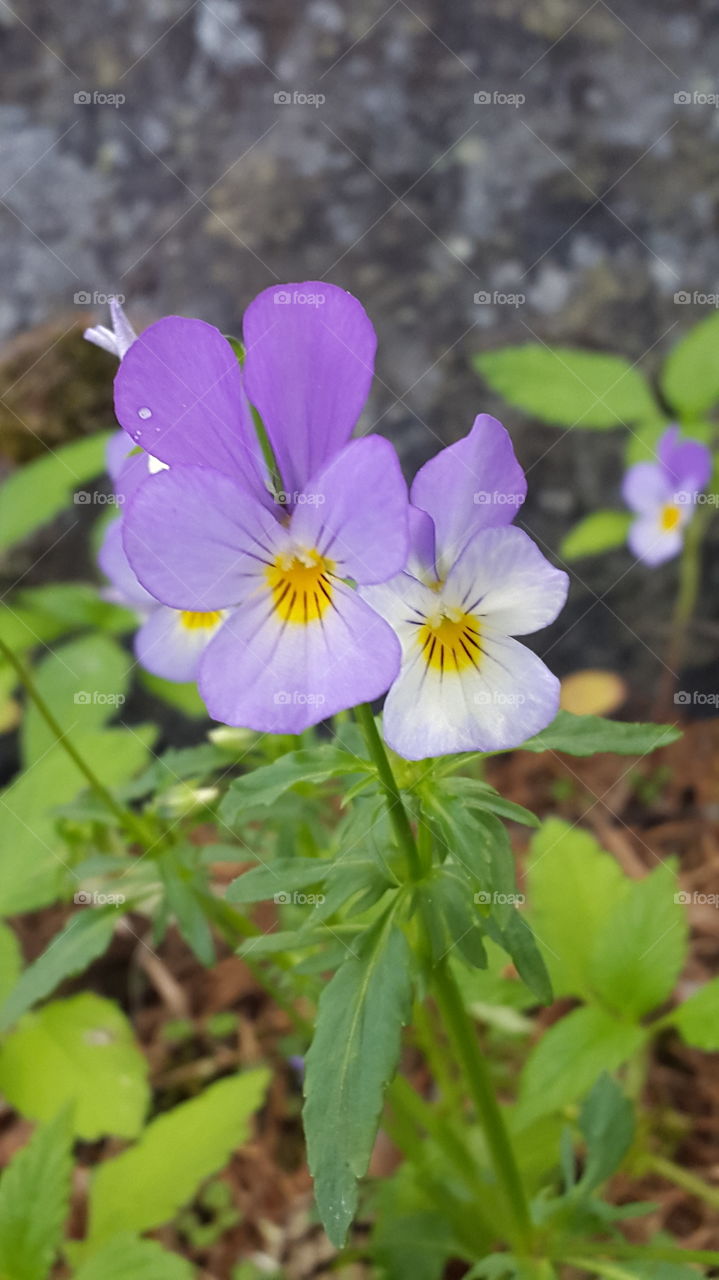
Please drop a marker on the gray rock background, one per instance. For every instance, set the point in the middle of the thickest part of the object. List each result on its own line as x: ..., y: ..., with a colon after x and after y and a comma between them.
x: 596, y: 198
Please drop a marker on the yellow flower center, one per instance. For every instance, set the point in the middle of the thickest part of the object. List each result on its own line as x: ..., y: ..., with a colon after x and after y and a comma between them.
x: 194, y: 621
x: 301, y: 586
x: 450, y: 641
x: 670, y: 517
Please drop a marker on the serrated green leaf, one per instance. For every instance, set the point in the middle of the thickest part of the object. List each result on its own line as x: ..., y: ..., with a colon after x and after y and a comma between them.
x: 570, y: 1056
x: 479, y: 795
x: 87, y: 935
x: 265, y: 785
x: 37, y: 492
x: 146, y: 1185
x: 638, y: 957
x: 568, y: 387
x: 279, y: 878
x: 590, y: 735
x: 125, y: 1257
x: 353, y: 1056
x: 697, y: 1019
x: 607, y: 1123
x: 690, y: 377
x: 83, y: 683
x: 34, y: 1202
x: 599, y: 532
x: 575, y: 890
x: 80, y: 1051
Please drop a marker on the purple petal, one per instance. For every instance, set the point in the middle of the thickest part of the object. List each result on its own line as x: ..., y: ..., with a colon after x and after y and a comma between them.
x: 687, y: 463
x: 126, y: 589
x: 646, y: 487
x: 197, y: 539
x: 262, y: 674
x: 308, y: 371
x: 170, y: 645
x: 652, y: 544
x: 503, y: 578
x: 356, y: 512
x: 179, y: 394
x: 474, y: 484
x: 422, y: 552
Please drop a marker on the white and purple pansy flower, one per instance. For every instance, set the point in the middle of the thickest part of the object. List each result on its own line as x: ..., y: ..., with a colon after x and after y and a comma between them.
x: 662, y: 494
x: 298, y: 643
x: 472, y: 583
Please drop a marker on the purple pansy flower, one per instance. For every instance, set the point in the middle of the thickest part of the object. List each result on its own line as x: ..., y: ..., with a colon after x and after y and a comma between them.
x: 206, y: 535
x: 662, y: 495
x: 471, y: 585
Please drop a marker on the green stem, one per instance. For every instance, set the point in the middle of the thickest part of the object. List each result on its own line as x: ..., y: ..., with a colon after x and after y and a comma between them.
x: 395, y: 806
x: 449, y: 1002
x: 129, y: 821
x: 682, y: 1178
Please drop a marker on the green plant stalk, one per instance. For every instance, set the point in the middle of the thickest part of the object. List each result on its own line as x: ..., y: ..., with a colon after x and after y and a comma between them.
x: 129, y: 821
x: 644, y: 1252
x: 683, y: 1178
x: 449, y: 1001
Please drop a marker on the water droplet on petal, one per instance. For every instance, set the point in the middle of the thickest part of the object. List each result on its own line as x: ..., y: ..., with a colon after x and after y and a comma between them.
x: 144, y: 414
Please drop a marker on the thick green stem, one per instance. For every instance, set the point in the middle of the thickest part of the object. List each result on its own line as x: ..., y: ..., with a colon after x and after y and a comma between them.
x: 129, y: 821
x: 682, y: 1178
x: 449, y: 1002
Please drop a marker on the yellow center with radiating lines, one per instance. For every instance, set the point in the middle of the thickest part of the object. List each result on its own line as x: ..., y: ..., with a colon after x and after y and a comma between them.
x: 450, y: 641
x: 195, y: 621
x: 301, y: 586
x: 670, y: 517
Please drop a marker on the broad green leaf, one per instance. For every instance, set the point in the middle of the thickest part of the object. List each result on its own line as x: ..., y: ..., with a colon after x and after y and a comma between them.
x: 127, y: 1258
x: 79, y: 1051
x: 690, y: 377
x: 639, y: 955
x: 146, y: 1185
x: 590, y: 735
x: 86, y: 935
x: 607, y: 1123
x: 353, y: 1056
x: 514, y: 934
x: 41, y: 489
x: 569, y: 1058
x: 177, y: 765
x: 34, y: 1202
x: 601, y: 531
x: 653, y: 1270
x: 568, y: 387
x: 575, y: 890
x: 279, y: 879
x: 84, y: 683
x: 10, y: 960
x: 40, y: 615
x: 265, y: 785
x: 698, y: 1018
